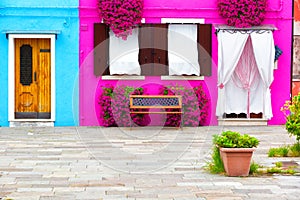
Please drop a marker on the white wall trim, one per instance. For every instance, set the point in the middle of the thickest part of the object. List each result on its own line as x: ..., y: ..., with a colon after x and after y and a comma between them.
x: 183, y: 20
x: 198, y: 78
x: 11, y: 74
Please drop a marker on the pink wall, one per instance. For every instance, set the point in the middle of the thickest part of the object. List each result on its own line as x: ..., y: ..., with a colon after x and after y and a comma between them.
x: 279, y: 13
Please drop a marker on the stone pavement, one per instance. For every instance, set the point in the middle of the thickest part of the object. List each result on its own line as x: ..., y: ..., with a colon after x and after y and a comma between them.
x: 92, y: 163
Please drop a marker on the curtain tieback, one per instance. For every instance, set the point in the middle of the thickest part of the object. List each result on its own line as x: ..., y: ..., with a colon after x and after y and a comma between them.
x: 221, y: 86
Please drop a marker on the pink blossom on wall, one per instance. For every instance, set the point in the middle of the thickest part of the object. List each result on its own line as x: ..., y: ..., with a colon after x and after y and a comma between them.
x: 121, y: 15
x: 242, y: 13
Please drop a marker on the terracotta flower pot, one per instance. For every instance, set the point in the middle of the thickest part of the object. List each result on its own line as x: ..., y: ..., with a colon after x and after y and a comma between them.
x: 236, y: 161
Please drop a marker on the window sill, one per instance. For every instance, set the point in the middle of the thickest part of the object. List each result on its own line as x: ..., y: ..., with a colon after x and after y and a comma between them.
x: 123, y: 77
x: 182, y: 78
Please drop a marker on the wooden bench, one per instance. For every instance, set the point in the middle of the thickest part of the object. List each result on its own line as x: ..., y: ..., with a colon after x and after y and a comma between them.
x: 157, y: 102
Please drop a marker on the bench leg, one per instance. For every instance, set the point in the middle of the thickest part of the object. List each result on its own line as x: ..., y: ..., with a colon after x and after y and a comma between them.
x: 181, y: 121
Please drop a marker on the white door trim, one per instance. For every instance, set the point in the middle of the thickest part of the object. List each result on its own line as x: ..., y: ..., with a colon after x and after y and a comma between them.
x: 11, y: 75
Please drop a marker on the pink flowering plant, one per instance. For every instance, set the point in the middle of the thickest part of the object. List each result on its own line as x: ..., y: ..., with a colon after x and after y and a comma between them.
x: 242, y: 13
x: 114, y: 107
x: 291, y: 110
x: 115, y: 111
x: 121, y: 15
x: 195, y: 105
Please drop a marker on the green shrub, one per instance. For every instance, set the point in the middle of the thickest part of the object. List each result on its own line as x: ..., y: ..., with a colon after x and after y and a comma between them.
x: 294, y: 150
x: 291, y: 110
x: 231, y: 139
x: 279, y: 152
x: 278, y: 164
x: 274, y: 170
x: 253, y: 168
x: 285, y: 151
x: 216, y: 165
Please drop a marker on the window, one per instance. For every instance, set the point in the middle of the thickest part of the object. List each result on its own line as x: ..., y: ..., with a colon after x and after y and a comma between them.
x: 296, y: 63
x: 153, y: 54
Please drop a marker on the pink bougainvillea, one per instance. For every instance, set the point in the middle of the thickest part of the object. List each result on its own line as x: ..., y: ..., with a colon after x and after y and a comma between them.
x: 242, y: 13
x: 195, y: 105
x: 115, y: 111
x: 121, y: 15
x: 114, y: 107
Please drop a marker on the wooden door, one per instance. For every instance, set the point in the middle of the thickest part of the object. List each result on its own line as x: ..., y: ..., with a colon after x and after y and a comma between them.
x: 32, y: 79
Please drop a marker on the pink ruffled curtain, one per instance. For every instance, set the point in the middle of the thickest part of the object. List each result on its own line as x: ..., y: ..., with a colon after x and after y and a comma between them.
x: 246, y: 74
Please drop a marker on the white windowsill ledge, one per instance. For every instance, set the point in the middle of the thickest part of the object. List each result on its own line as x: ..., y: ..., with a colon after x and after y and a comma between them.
x: 201, y: 78
x: 123, y: 77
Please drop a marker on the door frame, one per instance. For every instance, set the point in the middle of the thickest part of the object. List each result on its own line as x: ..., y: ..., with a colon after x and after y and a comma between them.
x: 11, y: 75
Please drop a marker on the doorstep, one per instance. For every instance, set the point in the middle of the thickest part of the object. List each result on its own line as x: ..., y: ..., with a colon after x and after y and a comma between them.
x: 242, y: 122
x: 31, y: 124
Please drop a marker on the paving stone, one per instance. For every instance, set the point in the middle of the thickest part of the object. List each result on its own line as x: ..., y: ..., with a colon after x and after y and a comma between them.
x: 34, y: 189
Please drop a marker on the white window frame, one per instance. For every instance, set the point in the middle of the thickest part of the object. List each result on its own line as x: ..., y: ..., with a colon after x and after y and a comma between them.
x: 182, y: 21
x: 11, y: 76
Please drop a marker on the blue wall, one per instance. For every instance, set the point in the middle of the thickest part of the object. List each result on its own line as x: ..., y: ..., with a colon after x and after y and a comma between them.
x: 31, y: 16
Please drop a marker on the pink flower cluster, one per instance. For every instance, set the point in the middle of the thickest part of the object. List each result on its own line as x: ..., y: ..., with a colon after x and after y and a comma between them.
x: 121, y: 15
x: 242, y: 13
x: 195, y: 105
x: 114, y: 107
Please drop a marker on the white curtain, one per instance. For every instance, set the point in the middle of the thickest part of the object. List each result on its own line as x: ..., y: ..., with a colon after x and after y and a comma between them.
x: 264, y: 52
x: 243, y: 84
x: 230, y: 47
x: 182, y: 50
x: 245, y: 95
x: 124, y: 54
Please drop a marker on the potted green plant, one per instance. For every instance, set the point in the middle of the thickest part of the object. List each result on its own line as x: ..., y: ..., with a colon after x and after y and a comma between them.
x: 236, y: 151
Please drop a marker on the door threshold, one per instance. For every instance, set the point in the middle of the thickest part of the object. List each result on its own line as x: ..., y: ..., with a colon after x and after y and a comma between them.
x: 31, y: 124
x: 243, y: 122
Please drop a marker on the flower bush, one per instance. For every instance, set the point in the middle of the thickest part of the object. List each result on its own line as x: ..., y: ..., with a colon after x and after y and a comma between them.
x: 121, y: 15
x: 114, y: 107
x: 242, y: 13
x: 291, y: 110
x: 195, y: 105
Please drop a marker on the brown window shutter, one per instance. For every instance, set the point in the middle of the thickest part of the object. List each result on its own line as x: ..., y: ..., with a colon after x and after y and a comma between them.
x: 145, y: 49
x: 160, y: 51
x: 153, y: 54
x: 205, y: 49
x: 101, y: 52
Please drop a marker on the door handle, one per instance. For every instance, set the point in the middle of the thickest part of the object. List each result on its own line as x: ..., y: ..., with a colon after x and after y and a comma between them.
x: 34, y: 76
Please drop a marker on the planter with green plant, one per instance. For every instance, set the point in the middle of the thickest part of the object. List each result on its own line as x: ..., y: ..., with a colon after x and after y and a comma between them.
x: 236, y: 151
